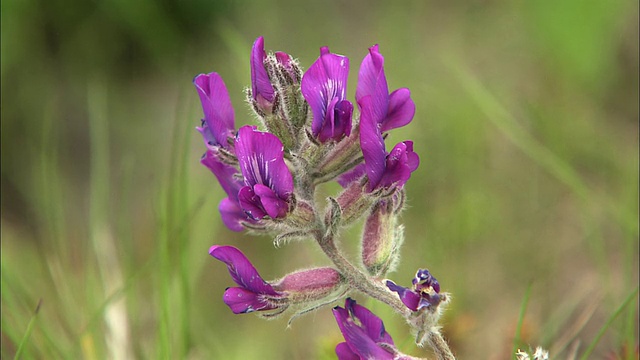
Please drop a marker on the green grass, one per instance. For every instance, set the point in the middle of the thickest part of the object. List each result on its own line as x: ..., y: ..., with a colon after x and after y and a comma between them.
x: 526, y: 126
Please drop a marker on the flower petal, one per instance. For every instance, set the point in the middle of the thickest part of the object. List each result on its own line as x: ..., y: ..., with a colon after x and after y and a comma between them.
x: 224, y: 173
x: 401, y: 110
x: 243, y: 301
x: 260, y: 82
x: 324, y: 81
x: 261, y: 159
x: 232, y: 215
x: 344, y: 352
x: 409, y: 298
x: 273, y: 205
x: 398, y: 166
x: 352, y: 175
x: 372, y: 82
x: 359, y: 338
x: 241, y: 270
x: 250, y: 203
x: 424, y: 279
x: 372, y: 144
x: 216, y: 105
x: 372, y: 324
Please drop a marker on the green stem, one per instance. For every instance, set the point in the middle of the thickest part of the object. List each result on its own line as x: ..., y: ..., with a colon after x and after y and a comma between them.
x: 357, y: 279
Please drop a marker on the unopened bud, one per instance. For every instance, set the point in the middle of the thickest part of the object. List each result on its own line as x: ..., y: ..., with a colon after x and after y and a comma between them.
x: 381, y: 239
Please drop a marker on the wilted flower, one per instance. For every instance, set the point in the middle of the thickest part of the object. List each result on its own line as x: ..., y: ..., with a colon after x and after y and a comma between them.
x: 255, y: 294
x: 424, y: 293
x: 324, y: 86
x: 269, y: 184
x: 219, y: 122
x: 364, y: 334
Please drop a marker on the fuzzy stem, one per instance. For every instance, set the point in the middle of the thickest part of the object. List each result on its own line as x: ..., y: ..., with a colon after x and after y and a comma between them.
x: 357, y: 278
x: 378, y: 291
x: 439, y: 345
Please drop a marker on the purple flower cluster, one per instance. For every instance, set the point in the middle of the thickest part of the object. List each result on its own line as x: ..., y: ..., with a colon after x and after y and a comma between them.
x: 310, y: 133
x: 250, y: 164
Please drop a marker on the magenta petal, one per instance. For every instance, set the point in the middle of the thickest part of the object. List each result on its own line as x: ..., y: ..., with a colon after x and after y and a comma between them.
x: 413, y: 160
x: 401, y: 110
x: 216, y: 105
x: 344, y: 352
x: 242, y: 301
x: 241, y: 269
x: 250, y: 203
x: 342, y: 119
x: 352, y: 175
x: 409, y: 298
x: 223, y: 172
x: 260, y: 82
x: 360, y: 336
x: 232, y: 215
x: 372, y: 324
x: 372, y: 144
x: 324, y: 81
x: 397, y: 170
x: 274, y: 206
x: 261, y: 159
x: 372, y: 82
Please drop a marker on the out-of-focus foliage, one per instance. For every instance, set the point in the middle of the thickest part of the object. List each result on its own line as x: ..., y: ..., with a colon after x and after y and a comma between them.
x: 526, y: 124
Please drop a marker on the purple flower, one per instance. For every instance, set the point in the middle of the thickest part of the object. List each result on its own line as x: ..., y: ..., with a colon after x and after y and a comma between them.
x: 262, y: 91
x: 218, y: 123
x: 269, y: 184
x: 232, y: 214
x: 364, y: 334
x: 383, y: 170
x: 389, y: 110
x: 324, y: 87
x: 256, y: 294
x: 425, y: 292
x: 253, y: 294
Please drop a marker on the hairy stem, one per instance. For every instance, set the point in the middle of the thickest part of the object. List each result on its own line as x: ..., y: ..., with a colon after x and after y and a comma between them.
x: 439, y: 345
x: 357, y: 279
x: 378, y: 291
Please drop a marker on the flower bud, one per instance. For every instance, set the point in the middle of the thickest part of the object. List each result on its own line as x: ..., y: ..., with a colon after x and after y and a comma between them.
x: 381, y: 239
x: 287, y: 75
x: 309, y: 285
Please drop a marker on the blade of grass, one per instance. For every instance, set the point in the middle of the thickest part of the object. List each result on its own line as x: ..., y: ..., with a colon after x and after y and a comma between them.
x: 548, y: 160
x: 27, y: 334
x: 523, y: 311
x: 184, y: 132
x: 606, y: 325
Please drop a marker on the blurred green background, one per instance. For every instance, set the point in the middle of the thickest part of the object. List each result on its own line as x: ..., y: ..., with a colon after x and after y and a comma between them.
x: 526, y: 199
